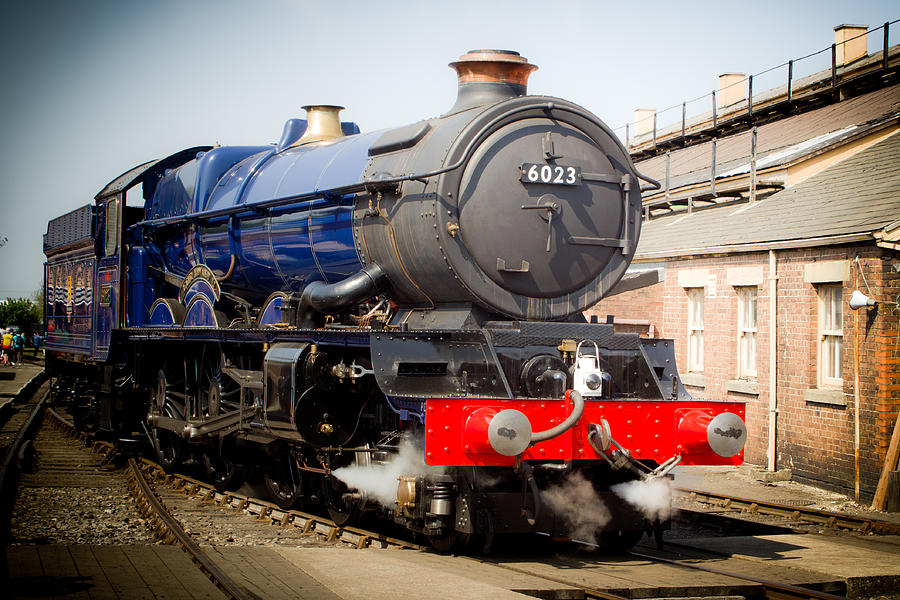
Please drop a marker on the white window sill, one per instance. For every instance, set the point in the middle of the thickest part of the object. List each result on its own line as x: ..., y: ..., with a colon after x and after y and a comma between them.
x: 743, y: 386
x: 694, y: 379
x: 830, y: 396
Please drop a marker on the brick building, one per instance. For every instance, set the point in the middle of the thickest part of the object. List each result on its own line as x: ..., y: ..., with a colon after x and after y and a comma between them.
x: 783, y: 210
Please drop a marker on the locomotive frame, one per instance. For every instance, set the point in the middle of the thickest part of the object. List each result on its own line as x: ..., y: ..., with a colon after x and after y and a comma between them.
x: 302, y: 308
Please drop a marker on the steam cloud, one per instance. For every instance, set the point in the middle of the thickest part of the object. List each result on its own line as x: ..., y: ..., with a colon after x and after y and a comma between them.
x: 379, y: 481
x: 577, y: 503
x: 652, y: 497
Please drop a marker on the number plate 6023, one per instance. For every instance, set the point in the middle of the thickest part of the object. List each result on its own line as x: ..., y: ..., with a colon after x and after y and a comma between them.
x: 552, y: 174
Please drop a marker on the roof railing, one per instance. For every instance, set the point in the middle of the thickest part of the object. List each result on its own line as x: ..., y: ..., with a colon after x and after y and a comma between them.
x: 703, y: 115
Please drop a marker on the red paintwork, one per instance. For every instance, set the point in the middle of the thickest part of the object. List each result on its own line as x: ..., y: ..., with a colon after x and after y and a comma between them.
x: 650, y: 430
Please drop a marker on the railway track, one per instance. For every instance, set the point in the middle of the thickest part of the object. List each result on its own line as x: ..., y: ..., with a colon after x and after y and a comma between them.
x: 170, y: 530
x: 66, y: 455
x: 304, y: 523
x: 205, y: 493
x: 18, y: 428
x: 148, y: 484
x: 182, y: 486
x: 151, y: 483
x: 793, y: 516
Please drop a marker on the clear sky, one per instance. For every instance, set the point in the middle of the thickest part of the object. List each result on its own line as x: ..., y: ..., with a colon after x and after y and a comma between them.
x: 93, y: 88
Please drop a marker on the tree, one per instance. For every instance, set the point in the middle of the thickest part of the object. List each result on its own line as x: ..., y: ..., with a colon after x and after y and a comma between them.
x: 21, y: 313
x: 38, y: 299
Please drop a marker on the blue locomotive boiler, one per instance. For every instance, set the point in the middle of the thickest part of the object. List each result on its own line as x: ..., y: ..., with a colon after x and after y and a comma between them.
x: 421, y: 202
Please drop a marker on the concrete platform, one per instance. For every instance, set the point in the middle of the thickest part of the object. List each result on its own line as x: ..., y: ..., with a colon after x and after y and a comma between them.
x: 376, y: 575
x: 407, y: 575
x: 82, y: 571
x: 869, y: 566
x: 15, y: 379
x: 265, y: 573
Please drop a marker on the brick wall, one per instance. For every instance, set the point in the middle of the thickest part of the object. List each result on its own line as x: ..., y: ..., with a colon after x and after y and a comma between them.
x: 880, y: 339
x: 815, y: 433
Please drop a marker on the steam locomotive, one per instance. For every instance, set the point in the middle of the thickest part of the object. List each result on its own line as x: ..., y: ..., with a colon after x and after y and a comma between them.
x: 315, y: 308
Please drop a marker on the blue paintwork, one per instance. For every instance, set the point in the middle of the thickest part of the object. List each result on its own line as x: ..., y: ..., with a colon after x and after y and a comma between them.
x: 331, y: 237
x: 161, y: 316
x: 200, y: 313
x: 174, y: 193
x: 312, y: 240
x: 141, y: 286
x: 271, y: 312
x: 227, y: 192
x: 311, y: 168
x: 282, y: 249
x: 200, y: 287
x: 214, y: 164
x: 187, y: 188
x: 293, y: 131
x: 178, y: 250
x: 106, y: 318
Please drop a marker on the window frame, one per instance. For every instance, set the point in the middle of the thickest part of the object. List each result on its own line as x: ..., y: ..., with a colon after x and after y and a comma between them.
x: 695, y: 331
x: 111, y: 227
x: 747, y: 333
x: 830, y: 296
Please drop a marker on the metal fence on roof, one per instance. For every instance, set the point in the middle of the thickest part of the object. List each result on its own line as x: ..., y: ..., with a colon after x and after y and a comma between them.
x: 776, y: 82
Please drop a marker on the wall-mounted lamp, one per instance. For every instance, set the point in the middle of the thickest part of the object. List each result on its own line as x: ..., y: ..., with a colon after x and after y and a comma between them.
x: 858, y: 300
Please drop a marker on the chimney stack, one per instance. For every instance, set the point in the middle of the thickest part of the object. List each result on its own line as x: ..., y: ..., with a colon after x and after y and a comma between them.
x: 488, y: 76
x: 731, y: 89
x: 643, y: 121
x: 848, y: 49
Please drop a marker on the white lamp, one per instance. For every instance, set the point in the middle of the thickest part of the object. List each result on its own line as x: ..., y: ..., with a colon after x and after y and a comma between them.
x: 858, y: 300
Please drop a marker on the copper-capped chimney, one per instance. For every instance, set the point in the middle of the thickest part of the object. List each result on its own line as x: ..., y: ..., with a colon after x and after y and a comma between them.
x: 488, y: 76
x: 323, y: 123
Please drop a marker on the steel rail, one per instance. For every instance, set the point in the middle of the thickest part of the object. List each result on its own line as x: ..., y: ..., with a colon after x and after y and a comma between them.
x: 62, y: 420
x: 802, y: 514
x: 307, y: 522
x: 9, y: 469
x: 161, y: 514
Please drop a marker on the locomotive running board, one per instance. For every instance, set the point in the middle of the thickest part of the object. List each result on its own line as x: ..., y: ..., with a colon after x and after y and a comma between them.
x: 190, y: 431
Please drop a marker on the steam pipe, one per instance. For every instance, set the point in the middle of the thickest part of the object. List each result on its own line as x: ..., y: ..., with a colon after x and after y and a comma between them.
x: 334, y: 297
x: 230, y: 271
x: 578, y: 401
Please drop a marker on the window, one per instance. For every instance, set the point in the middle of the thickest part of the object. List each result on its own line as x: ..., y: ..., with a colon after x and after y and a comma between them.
x: 831, y: 336
x: 112, y: 227
x: 746, y: 332
x: 695, y: 329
